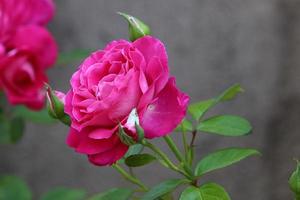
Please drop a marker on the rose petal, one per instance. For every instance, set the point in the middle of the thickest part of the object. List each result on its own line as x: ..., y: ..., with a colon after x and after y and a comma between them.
x: 109, y: 157
x: 165, y: 113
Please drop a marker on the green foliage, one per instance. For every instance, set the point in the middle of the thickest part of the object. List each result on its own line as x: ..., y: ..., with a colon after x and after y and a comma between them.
x: 197, y: 110
x: 223, y: 158
x: 64, y: 194
x: 294, y: 181
x: 11, y: 129
x: 75, y: 55
x: 136, y: 27
x: 34, y: 116
x: 227, y: 125
x: 209, y: 191
x: 163, y: 188
x: 114, y: 194
x: 5, y: 137
x: 185, y: 126
x: 13, y: 188
x: 139, y: 160
x: 17, y: 126
x: 134, y: 149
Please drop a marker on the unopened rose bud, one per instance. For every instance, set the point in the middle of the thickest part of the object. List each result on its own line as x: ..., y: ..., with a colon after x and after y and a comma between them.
x: 56, y: 106
x: 294, y: 182
x: 133, y: 125
x: 124, y: 137
x: 137, y: 28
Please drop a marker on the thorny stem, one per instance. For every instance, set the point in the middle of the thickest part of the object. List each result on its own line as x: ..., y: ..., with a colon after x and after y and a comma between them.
x: 129, y: 177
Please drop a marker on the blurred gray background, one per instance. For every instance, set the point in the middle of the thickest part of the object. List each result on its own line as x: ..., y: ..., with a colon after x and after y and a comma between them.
x: 212, y: 44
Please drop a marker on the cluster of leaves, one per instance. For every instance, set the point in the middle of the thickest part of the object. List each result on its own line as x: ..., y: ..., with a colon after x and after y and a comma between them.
x: 224, y: 125
x: 14, y: 188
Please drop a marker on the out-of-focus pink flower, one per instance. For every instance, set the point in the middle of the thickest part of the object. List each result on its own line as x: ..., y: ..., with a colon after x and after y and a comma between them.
x: 112, y: 82
x: 16, y: 13
x: 27, y: 49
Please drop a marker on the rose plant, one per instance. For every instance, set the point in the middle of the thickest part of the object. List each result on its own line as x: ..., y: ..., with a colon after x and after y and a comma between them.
x: 122, y: 97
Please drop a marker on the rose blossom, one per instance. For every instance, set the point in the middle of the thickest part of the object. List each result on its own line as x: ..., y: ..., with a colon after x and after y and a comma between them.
x: 27, y: 49
x: 109, y: 84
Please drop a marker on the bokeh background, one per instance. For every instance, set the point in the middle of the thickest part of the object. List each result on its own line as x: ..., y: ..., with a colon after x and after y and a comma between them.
x: 212, y: 44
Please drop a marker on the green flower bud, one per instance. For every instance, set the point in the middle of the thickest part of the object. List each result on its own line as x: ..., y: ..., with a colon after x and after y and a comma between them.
x: 56, y: 107
x: 294, y: 181
x: 125, y: 139
x: 136, y: 27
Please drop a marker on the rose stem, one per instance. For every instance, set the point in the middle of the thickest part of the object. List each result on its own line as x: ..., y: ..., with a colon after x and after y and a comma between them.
x: 185, y: 145
x: 165, y: 158
x: 194, y: 133
x: 174, y: 148
x: 129, y: 177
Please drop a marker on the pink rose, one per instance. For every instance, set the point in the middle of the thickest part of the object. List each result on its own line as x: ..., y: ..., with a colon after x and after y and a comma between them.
x: 16, y: 13
x: 23, y: 68
x: 27, y: 49
x: 112, y: 82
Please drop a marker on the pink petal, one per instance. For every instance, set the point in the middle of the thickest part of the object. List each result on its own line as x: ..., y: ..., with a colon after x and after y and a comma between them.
x: 151, y: 47
x: 164, y: 113
x: 102, y: 133
x: 39, y: 42
x: 109, y: 157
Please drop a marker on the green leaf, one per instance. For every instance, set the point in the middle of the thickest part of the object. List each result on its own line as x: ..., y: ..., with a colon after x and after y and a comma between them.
x: 213, y: 191
x: 75, y: 55
x: 37, y: 117
x: 134, y: 149
x: 184, y: 126
x: 226, y: 125
x: 197, y: 110
x: 294, y: 180
x: 5, y: 137
x: 17, y: 126
x: 223, y: 158
x: 64, y: 194
x: 114, y: 194
x: 191, y: 193
x: 13, y: 188
x: 137, y: 28
x: 163, y: 188
x: 230, y: 93
x: 139, y: 160
x: 209, y: 191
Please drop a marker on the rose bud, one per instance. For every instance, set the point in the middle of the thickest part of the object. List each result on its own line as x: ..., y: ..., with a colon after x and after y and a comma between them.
x: 56, y: 101
x: 136, y: 27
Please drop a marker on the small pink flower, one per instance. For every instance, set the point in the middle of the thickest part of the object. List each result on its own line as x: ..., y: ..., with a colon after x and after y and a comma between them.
x: 109, y: 85
x: 27, y: 49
